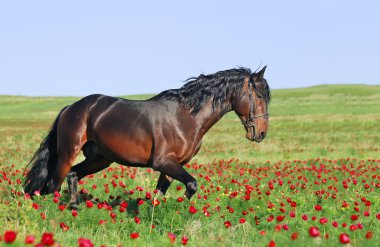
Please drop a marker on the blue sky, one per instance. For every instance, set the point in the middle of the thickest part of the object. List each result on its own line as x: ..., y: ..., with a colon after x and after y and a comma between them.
x: 121, y: 47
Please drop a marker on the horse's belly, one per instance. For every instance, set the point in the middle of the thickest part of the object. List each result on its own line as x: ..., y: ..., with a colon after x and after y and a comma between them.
x: 126, y: 150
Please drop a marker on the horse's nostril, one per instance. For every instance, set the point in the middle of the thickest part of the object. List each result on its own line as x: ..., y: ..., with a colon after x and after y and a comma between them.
x: 263, y: 134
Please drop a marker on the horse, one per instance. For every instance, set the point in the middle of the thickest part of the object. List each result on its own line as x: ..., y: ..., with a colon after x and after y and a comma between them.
x: 163, y: 132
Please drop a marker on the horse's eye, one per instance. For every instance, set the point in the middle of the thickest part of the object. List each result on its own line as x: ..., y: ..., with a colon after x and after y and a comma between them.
x: 259, y: 96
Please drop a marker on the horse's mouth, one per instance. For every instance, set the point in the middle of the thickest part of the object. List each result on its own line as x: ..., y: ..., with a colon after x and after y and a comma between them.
x: 252, y: 137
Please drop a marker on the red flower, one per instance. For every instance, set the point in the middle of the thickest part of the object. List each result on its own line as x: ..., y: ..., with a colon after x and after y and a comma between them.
x: 155, y: 202
x: 227, y: 224
x: 139, y: 201
x: 89, y: 204
x: 335, y: 224
x: 29, y: 239
x: 134, y: 235
x: 294, y: 235
x: 192, y: 209
x: 184, y: 240
x: 10, y: 236
x: 61, y: 207
x: 172, y: 237
x: 369, y: 235
x: 124, y: 204
x: 83, y: 242
x: 314, y: 231
x: 74, y: 213
x: 47, y: 239
x: 272, y: 244
x: 280, y: 218
x: 353, y: 227
x: 180, y: 199
x: 318, y: 207
x: 323, y: 220
x: 113, y: 215
x: 242, y: 220
x: 344, y: 238
x: 354, y: 217
x: 137, y: 220
x: 64, y: 226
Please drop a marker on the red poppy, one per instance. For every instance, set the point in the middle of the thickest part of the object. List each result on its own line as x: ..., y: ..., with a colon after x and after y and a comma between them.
x: 314, y: 231
x: 10, y: 236
x: 89, y: 204
x: 29, y: 239
x: 137, y: 220
x: 134, y: 235
x: 227, y: 224
x: 64, y: 226
x: 172, y: 237
x: 180, y: 199
x: 272, y: 244
x: 83, y: 242
x: 47, y: 239
x: 155, y: 202
x: 192, y: 209
x: 184, y: 240
x: 354, y: 217
x: 323, y: 220
x: 369, y: 235
x: 344, y: 238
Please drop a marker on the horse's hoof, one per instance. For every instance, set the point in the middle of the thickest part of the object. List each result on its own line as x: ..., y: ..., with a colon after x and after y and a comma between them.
x: 187, y: 195
x: 74, y: 206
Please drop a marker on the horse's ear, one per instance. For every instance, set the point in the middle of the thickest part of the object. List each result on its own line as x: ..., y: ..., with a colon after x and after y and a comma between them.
x: 260, y: 74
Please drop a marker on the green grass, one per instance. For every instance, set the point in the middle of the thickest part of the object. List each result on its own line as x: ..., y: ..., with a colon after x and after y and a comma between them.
x: 329, y: 121
x: 316, y: 124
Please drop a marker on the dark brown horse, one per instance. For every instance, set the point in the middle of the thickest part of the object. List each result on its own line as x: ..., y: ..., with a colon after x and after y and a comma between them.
x: 163, y: 133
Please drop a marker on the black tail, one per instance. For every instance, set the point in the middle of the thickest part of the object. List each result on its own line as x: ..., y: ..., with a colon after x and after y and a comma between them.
x: 43, y: 162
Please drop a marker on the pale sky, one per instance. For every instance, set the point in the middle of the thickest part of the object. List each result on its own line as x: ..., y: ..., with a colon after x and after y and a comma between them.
x: 122, y: 48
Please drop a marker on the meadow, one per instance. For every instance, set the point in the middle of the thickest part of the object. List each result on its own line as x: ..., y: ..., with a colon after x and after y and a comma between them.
x: 314, y: 181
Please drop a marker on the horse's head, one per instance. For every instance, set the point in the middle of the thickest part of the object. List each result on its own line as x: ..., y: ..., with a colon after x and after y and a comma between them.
x: 251, y: 105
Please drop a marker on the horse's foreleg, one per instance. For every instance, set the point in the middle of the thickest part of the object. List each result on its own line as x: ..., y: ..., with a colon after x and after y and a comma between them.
x: 176, y: 171
x: 163, y: 183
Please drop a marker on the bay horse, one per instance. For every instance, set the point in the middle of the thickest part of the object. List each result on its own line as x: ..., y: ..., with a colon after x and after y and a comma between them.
x: 163, y: 132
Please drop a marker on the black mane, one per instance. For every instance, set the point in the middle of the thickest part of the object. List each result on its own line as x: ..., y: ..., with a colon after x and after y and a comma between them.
x: 218, y: 86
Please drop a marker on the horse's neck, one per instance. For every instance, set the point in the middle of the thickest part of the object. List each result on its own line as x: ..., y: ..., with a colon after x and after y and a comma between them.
x: 206, y: 117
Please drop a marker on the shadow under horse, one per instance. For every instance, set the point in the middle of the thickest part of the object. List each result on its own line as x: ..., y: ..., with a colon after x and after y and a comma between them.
x: 162, y: 133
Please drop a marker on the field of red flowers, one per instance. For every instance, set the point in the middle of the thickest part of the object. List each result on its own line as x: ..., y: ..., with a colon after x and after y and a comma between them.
x: 304, y: 202
x: 294, y: 198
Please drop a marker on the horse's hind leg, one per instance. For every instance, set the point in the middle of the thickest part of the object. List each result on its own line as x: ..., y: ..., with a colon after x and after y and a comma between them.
x: 93, y: 163
x: 81, y: 170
